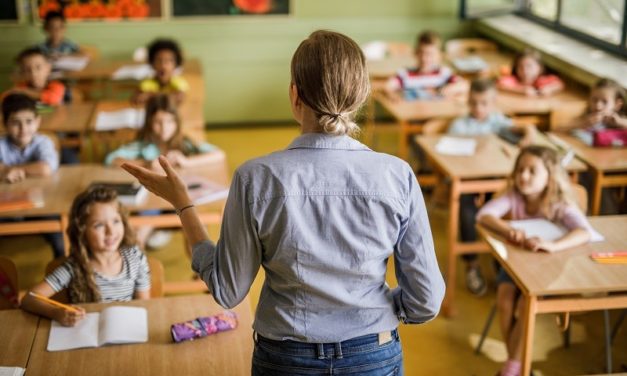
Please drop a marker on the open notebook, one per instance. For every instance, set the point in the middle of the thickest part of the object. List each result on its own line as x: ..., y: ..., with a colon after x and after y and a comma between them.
x: 547, y: 230
x: 11, y: 371
x: 457, y: 146
x: 112, y: 326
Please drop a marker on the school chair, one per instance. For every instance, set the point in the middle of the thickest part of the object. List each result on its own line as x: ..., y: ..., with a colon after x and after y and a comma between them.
x: 104, y: 142
x: 468, y: 46
x: 157, y: 277
x: 8, y: 269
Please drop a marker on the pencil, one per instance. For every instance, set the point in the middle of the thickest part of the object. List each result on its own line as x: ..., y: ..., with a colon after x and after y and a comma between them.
x: 506, y: 152
x: 53, y: 302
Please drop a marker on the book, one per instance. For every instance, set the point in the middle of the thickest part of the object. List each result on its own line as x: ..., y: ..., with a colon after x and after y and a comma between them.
x: 547, y: 230
x: 12, y: 371
x: 203, y: 191
x: 133, y: 72
x: 70, y: 63
x: 21, y: 199
x: 456, y: 146
x: 125, y: 118
x: 112, y: 326
x: 132, y: 194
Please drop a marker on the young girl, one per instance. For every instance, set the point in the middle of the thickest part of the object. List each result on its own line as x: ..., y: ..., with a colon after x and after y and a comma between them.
x: 103, y: 266
x: 538, y: 188
x: 165, y: 56
x: 607, y: 107
x: 528, y: 77
x: 162, y: 135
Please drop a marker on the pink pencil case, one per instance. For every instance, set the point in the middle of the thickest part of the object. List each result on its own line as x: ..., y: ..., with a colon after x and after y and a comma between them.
x: 203, y: 326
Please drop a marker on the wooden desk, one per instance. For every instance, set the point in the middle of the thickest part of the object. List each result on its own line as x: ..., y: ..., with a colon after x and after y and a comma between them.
x: 484, y: 172
x: 555, y: 282
x: 608, y: 165
x: 226, y: 353
x: 17, y: 333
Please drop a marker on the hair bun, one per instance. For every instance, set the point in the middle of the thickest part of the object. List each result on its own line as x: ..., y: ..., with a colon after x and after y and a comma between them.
x: 338, y: 124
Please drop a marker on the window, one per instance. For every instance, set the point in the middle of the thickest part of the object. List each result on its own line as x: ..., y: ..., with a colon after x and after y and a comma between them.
x: 602, y: 23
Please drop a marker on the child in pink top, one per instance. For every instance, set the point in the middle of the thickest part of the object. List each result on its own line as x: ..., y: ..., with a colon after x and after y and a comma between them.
x: 538, y: 188
x: 528, y: 77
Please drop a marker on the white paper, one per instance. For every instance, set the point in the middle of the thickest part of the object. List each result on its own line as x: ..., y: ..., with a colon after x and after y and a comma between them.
x: 125, y: 118
x: 547, y: 230
x: 12, y: 371
x: 139, y: 198
x: 470, y: 64
x: 123, y: 325
x: 456, y: 146
x: 133, y: 72
x: 84, y: 334
x: 71, y: 63
x: 202, y: 191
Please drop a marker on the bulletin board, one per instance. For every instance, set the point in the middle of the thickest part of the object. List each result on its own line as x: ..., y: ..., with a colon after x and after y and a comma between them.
x: 186, y: 8
x: 102, y: 10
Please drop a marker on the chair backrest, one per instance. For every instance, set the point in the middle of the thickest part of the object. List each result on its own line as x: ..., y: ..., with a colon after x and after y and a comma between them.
x: 465, y: 46
x: 157, y: 277
x: 7, y: 267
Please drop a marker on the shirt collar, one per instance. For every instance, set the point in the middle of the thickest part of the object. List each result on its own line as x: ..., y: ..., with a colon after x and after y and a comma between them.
x: 326, y: 141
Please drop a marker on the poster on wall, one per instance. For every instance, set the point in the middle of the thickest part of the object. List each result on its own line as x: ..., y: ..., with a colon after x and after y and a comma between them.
x: 185, y: 8
x: 103, y: 10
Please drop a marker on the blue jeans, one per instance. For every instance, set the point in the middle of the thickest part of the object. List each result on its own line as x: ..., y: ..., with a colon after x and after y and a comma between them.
x: 358, y: 356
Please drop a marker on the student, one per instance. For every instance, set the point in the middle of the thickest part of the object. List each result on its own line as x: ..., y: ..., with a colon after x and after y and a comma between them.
x: 528, y: 77
x: 35, y: 73
x: 162, y: 135
x: 483, y: 118
x: 104, y: 264
x: 538, y: 188
x: 165, y: 56
x: 56, y: 45
x: 429, y: 78
x: 322, y: 218
x: 24, y: 153
x: 607, y: 107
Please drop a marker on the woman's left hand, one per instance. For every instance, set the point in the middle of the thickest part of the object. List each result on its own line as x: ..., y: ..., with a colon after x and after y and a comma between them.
x: 169, y: 187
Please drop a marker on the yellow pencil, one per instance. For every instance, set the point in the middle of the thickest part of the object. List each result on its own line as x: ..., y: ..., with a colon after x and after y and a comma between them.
x: 53, y: 302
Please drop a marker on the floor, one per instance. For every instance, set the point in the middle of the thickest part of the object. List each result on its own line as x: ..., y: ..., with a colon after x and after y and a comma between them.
x: 440, y: 347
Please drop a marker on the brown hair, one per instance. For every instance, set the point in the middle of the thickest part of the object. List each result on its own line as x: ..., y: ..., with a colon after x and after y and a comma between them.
x: 428, y: 37
x: 83, y: 288
x: 482, y: 85
x: 28, y: 52
x: 619, y: 92
x: 526, y: 53
x: 558, y: 188
x: 156, y: 103
x: 329, y: 72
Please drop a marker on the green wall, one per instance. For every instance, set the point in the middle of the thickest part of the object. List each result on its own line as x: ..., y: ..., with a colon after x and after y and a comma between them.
x: 246, y: 60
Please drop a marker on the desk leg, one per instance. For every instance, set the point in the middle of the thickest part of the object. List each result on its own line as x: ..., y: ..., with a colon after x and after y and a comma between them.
x: 596, y: 192
x: 65, y: 222
x: 403, y: 148
x: 531, y: 304
x: 451, y: 273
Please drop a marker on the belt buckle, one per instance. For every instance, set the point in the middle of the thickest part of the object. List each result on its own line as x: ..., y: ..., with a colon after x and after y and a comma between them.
x: 385, y: 337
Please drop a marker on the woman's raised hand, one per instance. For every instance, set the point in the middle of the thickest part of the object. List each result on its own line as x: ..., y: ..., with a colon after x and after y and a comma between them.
x: 170, y: 186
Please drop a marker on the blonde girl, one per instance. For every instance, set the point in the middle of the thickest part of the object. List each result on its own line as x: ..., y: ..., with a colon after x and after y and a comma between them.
x: 538, y: 188
x: 104, y: 264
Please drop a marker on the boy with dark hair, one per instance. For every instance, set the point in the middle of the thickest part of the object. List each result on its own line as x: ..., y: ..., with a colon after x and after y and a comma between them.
x: 56, y: 44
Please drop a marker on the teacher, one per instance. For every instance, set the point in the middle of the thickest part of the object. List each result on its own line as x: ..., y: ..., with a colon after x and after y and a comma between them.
x: 322, y: 218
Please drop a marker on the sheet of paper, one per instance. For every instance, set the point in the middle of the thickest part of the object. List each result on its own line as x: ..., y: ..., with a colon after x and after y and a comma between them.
x: 456, y: 146
x: 123, y: 325
x: 125, y: 118
x: 71, y: 63
x: 133, y: 72
x: 470, y: 64
x: 547, y: 230
x: 84, y: 334
x: 12, y: 371
x: 202, y: 191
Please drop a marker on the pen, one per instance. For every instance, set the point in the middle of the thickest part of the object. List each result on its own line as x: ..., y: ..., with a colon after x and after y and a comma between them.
x: 53, y: 302
x: 506, y: 152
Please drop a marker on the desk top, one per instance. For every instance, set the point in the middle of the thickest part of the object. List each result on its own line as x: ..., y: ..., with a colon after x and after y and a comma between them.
x: 421, y: 109
x: 570, y: 271
x: 59, y: 189
x: 226, y: 353
x: 74, y: 117
x: 604, y: 159
x: 493, y: 158
x: 17, y: 332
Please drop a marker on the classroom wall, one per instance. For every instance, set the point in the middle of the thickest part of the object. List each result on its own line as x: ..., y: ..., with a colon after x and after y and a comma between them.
x: 246, y: 60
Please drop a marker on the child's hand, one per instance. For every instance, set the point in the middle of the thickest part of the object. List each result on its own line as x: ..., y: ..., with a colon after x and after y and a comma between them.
x: 536, y: 244
x: 69, y: 318
x: 531, y: 91
x: 615, y: 120
x: 516, y: 236
x: 14, y: 175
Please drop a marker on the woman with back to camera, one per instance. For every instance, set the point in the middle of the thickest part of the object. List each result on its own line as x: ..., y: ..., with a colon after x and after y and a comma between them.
x: 322, y: 217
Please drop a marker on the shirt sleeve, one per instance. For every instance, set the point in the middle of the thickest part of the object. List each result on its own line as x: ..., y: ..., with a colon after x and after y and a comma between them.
x: 230, y: 266
x: 61, y: 277
x: 509, y: 81
x: 53, y: 93
x: 128, y: 151
x: 572, y: 218
x: 458, y: 127
x: 497, y: 207
x: 142, y: 282
x: 179, y: 84
x: 205, y: 147
x: 149, y: 85
x: 46, y: 152
x: 421, y: 286
x: 546, y: 80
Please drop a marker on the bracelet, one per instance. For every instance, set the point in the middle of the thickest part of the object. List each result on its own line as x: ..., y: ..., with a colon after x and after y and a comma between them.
x: 179, y: 211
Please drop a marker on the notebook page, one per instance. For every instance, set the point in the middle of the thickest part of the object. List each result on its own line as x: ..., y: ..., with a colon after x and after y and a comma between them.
x: 123, y: 325
x: 12, y: 371
x: 71, y: 63
x: 547, y: 230
x: 125, y: 118
x: 84, y: 334
x: 136, y: 72
x: 456, y: 146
